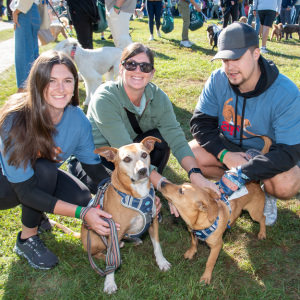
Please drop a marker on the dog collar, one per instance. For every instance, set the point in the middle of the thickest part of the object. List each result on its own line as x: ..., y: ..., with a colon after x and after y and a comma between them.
x: 144, y: 206
x: 73, y: 50
x: 204, y: 234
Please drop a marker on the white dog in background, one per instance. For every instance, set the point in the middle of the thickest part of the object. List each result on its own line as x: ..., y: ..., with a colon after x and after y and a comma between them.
x: 92, y: 64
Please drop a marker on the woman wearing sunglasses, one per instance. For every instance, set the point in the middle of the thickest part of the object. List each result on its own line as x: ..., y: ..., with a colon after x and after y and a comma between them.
x: 132, y: 108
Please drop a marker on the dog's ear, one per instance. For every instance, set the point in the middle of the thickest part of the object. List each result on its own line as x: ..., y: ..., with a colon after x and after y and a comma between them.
x: 149, y: 142
x: 109, y: 153
x: 211, y: 204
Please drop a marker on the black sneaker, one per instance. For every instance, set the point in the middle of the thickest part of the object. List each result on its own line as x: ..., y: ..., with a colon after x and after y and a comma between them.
x: 45, y: 224
x: 34, y: 250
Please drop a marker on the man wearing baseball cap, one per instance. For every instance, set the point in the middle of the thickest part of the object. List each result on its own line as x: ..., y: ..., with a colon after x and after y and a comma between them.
x: 241, y: 103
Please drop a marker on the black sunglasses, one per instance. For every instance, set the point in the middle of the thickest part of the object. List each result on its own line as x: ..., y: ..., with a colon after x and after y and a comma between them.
x: 131, y: 65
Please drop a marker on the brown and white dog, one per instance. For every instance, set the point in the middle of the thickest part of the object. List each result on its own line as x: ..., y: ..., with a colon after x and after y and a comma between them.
x: 131, y: 177
x: 277, y: 31
x: 200, y: 209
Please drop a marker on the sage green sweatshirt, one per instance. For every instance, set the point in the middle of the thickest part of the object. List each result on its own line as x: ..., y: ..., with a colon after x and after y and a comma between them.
x: 111, y: 126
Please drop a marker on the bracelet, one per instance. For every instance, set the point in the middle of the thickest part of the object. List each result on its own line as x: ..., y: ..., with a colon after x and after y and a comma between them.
x: 222, y: 155
x: 159, y: 183
x: 116, y: 7
x: 77, y: 212
x: 194, y: 170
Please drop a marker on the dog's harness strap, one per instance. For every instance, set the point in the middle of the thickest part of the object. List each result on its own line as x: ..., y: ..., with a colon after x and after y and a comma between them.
x: 144, y: 206
x: 113, y: 255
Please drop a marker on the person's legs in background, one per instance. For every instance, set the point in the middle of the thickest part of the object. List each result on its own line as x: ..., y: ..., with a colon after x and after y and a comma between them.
x: 184, y: 10
x: 295, y: 18
x: 251, y: 17
x: 26, y: 44
x: 150, y: 10
x: 157, y: 14
x: 84, y: 29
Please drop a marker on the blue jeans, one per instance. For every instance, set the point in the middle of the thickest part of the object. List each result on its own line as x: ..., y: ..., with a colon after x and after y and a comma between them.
x: 296, y: 15
x: 251, y: 17
x: 26, y: 43
x: 285, y: 16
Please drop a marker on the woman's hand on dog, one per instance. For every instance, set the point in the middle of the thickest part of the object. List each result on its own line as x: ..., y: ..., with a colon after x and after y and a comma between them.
x: 94, y: 219
x: 199, y: 180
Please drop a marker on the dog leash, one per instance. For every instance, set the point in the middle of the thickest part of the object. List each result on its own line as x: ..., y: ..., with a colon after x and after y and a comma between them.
x: 113, y: 255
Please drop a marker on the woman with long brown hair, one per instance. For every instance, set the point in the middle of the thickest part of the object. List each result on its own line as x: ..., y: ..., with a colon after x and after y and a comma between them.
x: 39, y: 130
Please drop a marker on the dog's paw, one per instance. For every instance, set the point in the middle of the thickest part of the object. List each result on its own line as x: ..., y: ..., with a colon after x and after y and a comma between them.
x: 262, y: 236
x: 189, y: 254
x: 110, y: 287
x: 205, y: 279
x: 163, y: 264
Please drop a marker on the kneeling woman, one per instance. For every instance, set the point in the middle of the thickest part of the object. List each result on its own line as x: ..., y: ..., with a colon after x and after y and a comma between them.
x: 39, y: 130
x: 132, y: 108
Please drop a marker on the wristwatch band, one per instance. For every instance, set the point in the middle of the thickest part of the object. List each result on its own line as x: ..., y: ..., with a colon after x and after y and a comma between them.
x: 194, y: 170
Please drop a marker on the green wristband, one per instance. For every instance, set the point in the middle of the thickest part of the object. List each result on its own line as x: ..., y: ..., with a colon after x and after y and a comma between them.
x: 116, y: 7
x: 77, y: 212
x: 222, y: 155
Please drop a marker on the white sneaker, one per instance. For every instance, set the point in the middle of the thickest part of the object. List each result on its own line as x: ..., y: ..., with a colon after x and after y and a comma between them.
x: 185, y: 44
x: 191, y: 43
x: 151, y: 38
x: 263, y: 50
x: 270, y: 209
x: 158, y: 33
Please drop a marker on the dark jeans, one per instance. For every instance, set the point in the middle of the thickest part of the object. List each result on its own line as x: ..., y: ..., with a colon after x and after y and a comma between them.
x: 234, y: 12
x: 154, y: 9
x: 52, y: 181
x: 159, y: 158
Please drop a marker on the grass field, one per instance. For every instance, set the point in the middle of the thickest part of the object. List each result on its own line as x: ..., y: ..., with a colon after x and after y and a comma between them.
x: 246, y: 269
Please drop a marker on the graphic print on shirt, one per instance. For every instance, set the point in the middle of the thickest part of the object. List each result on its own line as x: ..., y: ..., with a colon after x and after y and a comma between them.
x: 229, y: 123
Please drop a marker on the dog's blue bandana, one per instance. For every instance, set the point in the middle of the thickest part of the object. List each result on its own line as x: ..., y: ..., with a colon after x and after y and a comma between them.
x: 144, y: 206
x: 204, y: 234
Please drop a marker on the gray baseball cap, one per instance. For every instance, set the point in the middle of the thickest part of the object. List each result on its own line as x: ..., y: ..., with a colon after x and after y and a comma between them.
x: 235, y: 40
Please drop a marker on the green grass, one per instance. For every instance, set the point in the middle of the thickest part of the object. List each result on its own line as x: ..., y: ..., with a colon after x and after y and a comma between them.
x: 246, y: 269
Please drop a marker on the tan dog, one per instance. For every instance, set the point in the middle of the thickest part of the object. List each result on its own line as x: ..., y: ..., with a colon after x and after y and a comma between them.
x: 131, y: 176
x: 56, y: 29
x: 277, y: 31
x: 200, y: 208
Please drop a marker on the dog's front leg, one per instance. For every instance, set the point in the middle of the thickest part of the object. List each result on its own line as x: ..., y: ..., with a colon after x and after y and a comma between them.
x: 110, y: 286
x: 189, y: 254
x: 163, y: 264
x: 213, y: 256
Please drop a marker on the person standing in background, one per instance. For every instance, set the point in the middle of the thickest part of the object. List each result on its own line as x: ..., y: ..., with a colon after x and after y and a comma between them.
x: 84, y: 14
x: 118, y: 13
x: 27, y: 23
x: 251, y: 17
x: 184, y: 10
x: 230, y: 8
x: 267, y: 10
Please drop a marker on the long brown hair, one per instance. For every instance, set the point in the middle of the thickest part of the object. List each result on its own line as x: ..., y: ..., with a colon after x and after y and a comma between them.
x: 26, y: 127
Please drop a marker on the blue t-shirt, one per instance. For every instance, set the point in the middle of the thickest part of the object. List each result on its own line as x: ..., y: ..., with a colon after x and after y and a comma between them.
x: 74, y: 136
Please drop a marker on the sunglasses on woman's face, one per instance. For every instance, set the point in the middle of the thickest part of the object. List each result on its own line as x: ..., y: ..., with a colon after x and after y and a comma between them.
x: 131, y: 65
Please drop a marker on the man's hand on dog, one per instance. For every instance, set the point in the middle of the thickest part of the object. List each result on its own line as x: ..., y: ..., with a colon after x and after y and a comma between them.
x: 94, y: 219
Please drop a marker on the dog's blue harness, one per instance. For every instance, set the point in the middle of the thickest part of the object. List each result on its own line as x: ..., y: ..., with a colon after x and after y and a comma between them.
x: 144, y: 206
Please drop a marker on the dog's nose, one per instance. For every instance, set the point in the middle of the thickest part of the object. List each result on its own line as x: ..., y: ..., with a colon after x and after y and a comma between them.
x: 142, y: 172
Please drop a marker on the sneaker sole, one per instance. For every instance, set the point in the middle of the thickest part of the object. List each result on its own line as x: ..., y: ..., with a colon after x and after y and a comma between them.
x: 21, y: 253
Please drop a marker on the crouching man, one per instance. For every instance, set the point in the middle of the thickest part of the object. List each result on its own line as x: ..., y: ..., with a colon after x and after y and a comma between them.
x: 241, y: 102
